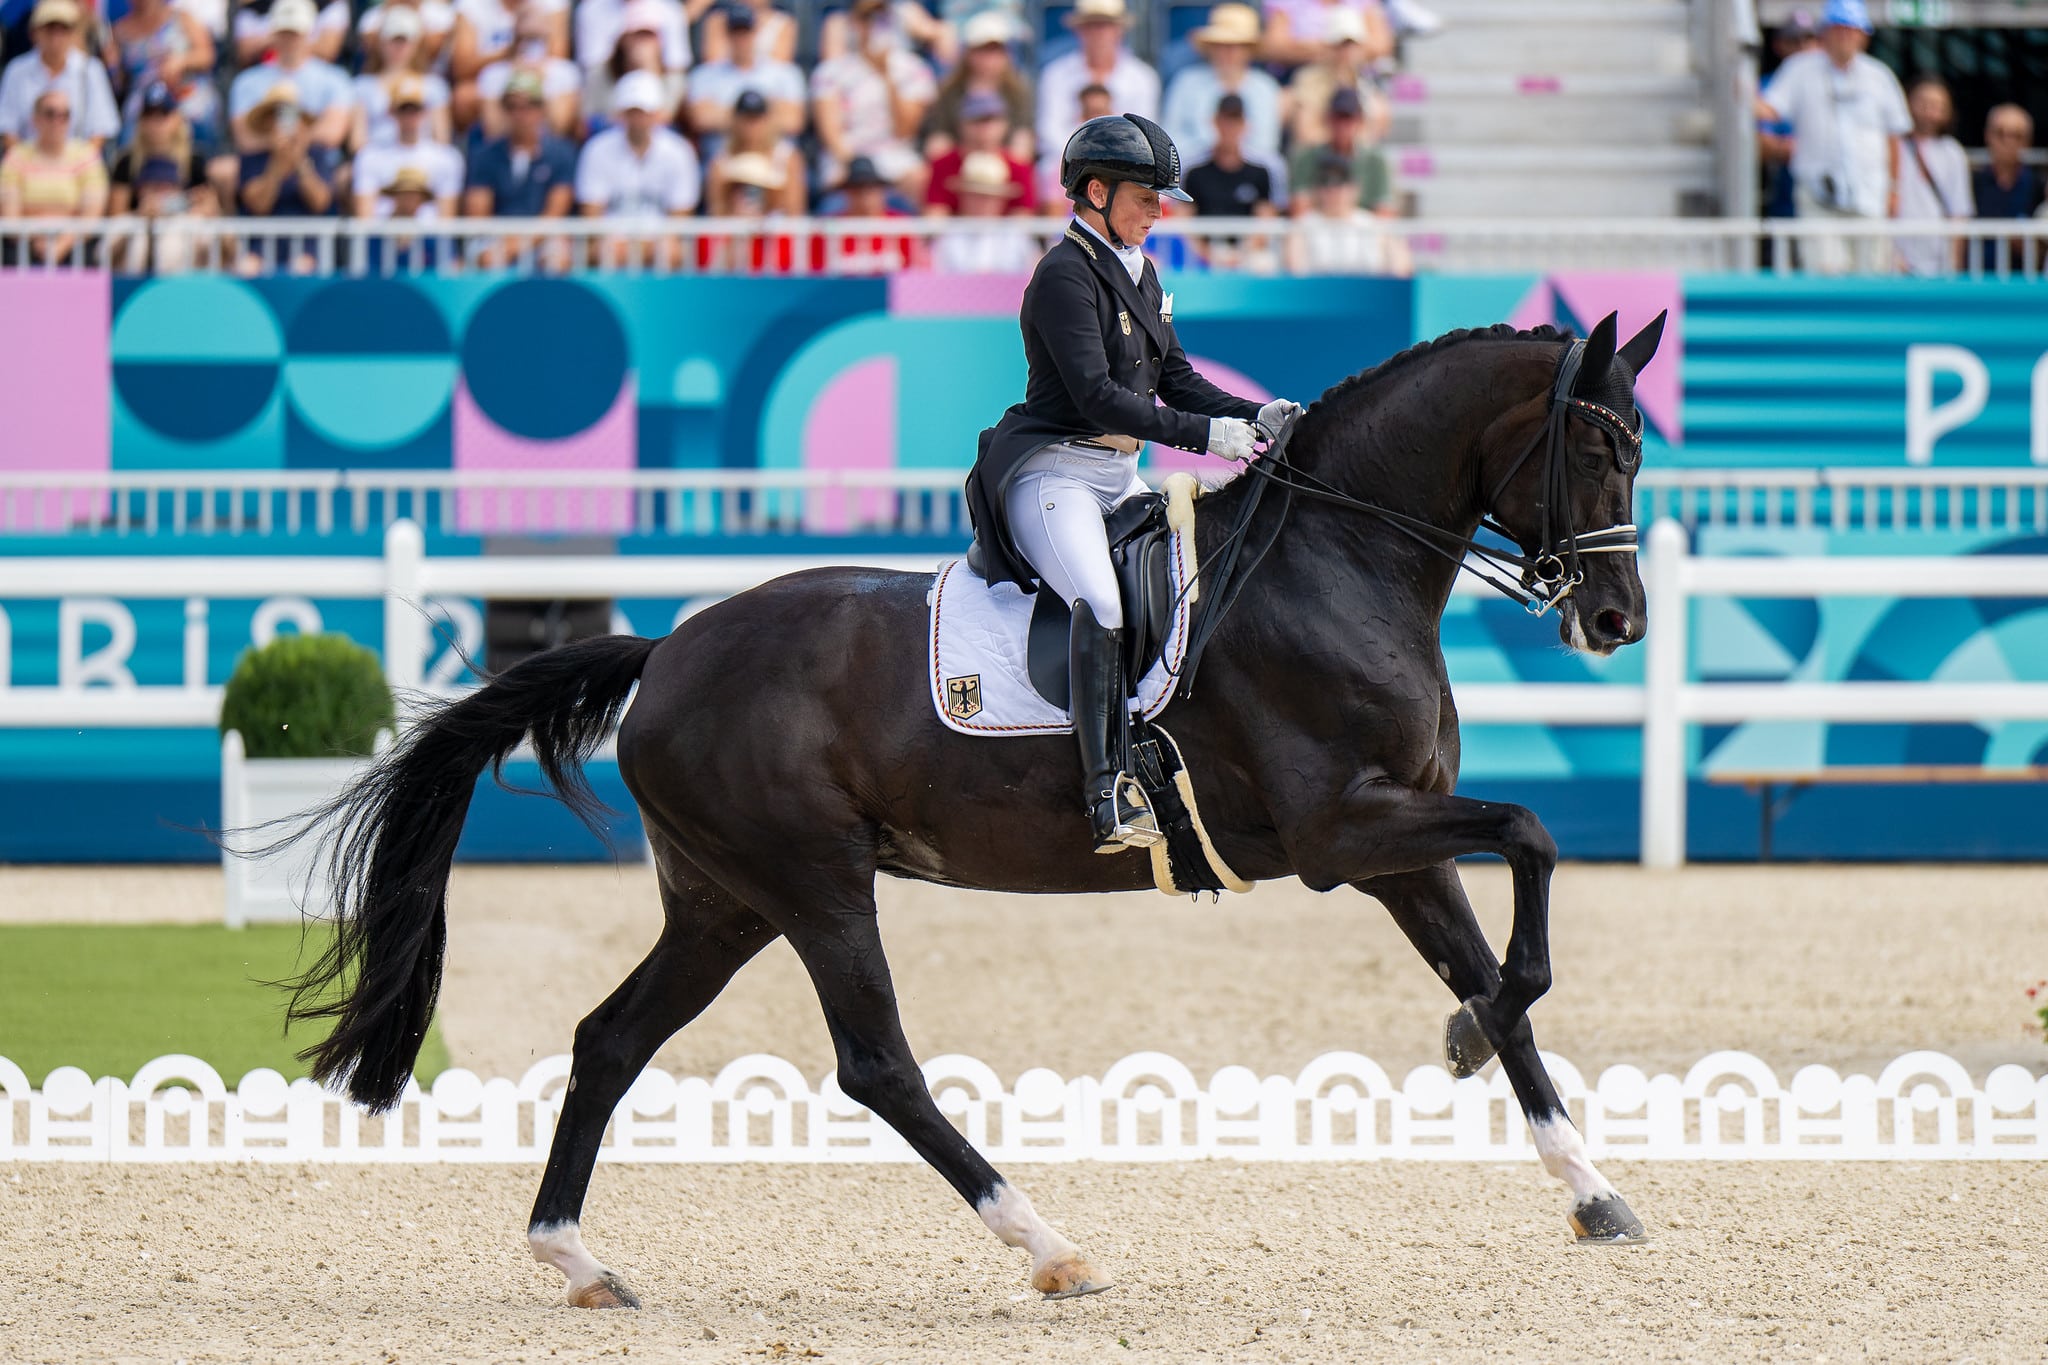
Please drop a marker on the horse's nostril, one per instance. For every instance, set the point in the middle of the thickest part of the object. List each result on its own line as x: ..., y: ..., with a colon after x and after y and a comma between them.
x: 1612, y: 624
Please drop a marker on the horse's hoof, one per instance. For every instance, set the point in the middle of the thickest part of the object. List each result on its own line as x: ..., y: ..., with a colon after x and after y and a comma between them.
x: 1466, y: 1046
x: 1068, y: 1277
x: 606, y: 1291
x: 1607, y: 1222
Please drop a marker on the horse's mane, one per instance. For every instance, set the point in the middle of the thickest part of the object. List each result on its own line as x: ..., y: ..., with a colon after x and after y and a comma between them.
x: 1500, y: 331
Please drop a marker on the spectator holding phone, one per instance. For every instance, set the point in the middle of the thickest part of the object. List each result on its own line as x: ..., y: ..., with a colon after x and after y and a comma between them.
x: 320, y: 93
x: 289, y: 173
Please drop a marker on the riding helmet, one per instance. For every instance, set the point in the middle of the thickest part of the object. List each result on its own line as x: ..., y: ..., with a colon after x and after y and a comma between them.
x: 1122, y: 147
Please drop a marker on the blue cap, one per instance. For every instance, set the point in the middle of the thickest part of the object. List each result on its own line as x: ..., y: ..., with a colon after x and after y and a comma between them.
x: 1847, y: 14
x: 158, y: 98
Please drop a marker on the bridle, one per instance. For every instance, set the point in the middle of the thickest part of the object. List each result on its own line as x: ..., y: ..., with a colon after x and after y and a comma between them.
x: 1538, y: 581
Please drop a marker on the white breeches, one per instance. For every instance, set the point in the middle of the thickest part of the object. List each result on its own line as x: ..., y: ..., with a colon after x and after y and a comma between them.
x: 1056, y: 505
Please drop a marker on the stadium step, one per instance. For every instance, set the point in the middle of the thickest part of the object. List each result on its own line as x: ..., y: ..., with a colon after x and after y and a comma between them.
x: 1566, y: 181
x: 1492, y: 108
x: 1603, y: 36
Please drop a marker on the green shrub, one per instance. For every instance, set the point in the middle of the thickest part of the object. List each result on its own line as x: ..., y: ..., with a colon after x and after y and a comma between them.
x: 307, y: 696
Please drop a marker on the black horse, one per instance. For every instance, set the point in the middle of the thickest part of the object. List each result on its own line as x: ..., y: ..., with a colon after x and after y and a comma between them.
x: 783, y: 750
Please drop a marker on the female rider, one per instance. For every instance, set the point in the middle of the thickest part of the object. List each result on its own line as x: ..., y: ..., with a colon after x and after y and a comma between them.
x: 1106, y: 374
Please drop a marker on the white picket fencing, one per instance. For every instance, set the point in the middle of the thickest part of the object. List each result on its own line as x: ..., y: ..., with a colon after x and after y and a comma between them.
x: 1342, y: 1106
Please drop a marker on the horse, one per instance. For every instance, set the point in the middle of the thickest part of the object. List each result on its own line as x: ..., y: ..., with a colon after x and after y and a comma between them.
x: 783, y: 750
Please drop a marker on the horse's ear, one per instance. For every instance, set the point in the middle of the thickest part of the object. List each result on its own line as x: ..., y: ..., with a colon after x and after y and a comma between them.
x: 1599, y: 357
x: 1640, y: 347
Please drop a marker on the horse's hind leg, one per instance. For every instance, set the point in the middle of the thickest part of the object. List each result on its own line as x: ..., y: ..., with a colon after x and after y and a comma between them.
x: 831, y: 923
x: 1431, y: 909
x: 708, y: 936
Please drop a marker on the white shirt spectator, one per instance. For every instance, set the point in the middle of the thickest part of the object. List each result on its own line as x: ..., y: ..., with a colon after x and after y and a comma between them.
x: 1133, y: 89
x: 1308, y: 20
x: 251, y: 26
x: 93, y: 112
x: 1841, y: 123
x: 867, y: 115
x: 1946, y: 195
x: 598, y: 27
x: 558, y: 77
x: 1190, y: 113
x: 990, y: 251
x: 722, y: 83
x: 666, y: 180
x: 378, y: 166
x: 376, y: 101
x: 321, y: 86
x: 497, y: 26
x: 437, y: 17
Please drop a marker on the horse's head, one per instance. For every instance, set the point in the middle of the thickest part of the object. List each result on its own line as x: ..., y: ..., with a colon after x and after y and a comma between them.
x: 1567, y: 494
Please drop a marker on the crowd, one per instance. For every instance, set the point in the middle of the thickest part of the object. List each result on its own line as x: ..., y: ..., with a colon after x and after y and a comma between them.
x: 1842, y: 140
x: 641, y: 111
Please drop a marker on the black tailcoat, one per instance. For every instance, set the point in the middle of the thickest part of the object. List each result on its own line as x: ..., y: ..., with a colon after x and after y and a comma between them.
x: 1099, y: 355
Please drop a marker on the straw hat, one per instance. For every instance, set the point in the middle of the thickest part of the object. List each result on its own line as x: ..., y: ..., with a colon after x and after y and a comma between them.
x: 283, y: 95
x: 1098, y: 12
x: 1230, y: 25
x: 410, y: 180
x: 984, y: 173
x: 754, y: 168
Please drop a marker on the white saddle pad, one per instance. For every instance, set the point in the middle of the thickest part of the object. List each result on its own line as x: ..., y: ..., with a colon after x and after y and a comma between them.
x: 981, y: 684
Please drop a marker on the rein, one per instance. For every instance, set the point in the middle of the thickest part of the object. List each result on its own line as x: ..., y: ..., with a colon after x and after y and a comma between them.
x: 1542, y: 580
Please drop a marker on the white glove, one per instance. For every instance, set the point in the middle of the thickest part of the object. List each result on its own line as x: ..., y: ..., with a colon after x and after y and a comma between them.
x: 1278, y: 414
x: 1232, y: 438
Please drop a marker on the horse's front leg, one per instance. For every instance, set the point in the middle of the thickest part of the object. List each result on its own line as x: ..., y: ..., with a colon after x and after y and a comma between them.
x: 1378, y: 828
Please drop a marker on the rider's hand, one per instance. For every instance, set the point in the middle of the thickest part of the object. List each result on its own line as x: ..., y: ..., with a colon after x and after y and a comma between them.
x: 1278, y: 414
x: 1232, y: 438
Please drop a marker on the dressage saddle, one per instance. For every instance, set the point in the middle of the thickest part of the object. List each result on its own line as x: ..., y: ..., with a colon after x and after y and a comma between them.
x: 1141, y: 548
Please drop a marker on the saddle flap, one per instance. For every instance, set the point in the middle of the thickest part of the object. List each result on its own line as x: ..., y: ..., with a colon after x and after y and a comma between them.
x: 1045, y: 647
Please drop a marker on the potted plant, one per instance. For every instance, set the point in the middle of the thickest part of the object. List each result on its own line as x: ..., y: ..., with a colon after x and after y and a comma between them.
x: 299, y: 719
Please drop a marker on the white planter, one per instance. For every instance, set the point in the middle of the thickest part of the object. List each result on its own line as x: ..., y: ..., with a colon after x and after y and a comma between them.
x: 256, y: 791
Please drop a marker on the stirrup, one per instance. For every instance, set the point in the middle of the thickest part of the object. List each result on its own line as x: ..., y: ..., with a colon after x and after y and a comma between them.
x: 1132, y: 825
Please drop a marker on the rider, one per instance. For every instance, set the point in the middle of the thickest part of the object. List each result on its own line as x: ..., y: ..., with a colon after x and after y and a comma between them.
x: 1106, y: 374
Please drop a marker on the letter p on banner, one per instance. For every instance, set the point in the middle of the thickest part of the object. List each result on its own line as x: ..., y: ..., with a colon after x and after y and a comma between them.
x: 1926, y: 422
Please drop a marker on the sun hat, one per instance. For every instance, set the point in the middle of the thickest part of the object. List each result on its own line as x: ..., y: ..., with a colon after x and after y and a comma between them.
x: 1098, y: 12
x: 984, y: 173
x: 1230, y: 25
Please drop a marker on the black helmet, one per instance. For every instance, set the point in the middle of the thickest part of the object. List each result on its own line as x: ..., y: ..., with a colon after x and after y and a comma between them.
x: 1122, y: 147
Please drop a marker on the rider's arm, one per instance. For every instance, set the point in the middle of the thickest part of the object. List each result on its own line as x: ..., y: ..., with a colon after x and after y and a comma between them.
x: 1064, y: 313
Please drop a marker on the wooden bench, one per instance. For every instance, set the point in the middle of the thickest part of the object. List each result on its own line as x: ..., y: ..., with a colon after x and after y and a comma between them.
x: 1776, y: 791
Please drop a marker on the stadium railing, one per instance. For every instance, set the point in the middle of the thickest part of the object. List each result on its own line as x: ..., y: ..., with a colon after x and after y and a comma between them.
x: 921, y: 503
x: 805, y: 246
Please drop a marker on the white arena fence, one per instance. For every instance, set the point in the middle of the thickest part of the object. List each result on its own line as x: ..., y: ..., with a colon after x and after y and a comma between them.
x: 695, y: 503
x: 1663, y: 707
x: 1148, y: 1107
x: 804, y: 246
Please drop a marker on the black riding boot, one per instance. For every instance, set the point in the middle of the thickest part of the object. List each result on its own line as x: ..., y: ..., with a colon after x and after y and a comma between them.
x: 1095, y: 671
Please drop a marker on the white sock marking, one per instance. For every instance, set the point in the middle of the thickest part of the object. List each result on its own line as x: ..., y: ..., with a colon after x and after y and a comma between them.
x: 1564, y: 1156
x: 1009, y: 1215
x: 561, y: 1246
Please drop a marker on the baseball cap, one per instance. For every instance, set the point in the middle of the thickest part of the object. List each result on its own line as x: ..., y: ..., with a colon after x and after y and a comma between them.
x: 400, y: 21
x: 159, y: 170
x: 982, y: 104
x: 1332, y: 167
x: 1800, y: 23
x: 524, y: 85
x: 861, y: 171
x: 1343, y: 26
x: 750, y: 104
x: 635, y: 90
x: 158, y: 98
x: 739, y: 16
x: 54, y: 12
x: 1344, y: 103
x: 990, y: 28
x: 1097, y: 12
x: 642, y: 16
x: 293, y: 16
x: 1847, y: 14
x: 1230, y: 106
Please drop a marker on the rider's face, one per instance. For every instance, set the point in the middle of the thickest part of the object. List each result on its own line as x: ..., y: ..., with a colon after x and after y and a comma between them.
x: 1132, y: 215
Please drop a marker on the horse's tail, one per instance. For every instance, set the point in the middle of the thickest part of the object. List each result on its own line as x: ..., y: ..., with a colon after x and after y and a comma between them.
x: 392, y: 839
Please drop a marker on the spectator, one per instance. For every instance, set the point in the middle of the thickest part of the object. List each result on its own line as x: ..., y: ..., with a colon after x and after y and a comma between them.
x: 1339, y: 65
x: 287, y: 173
x: 57, y: 64
x: 748, y: 185
x: 754, y: 135
x: 527, y: 173
x: 319, y: 90
x: 1052, y: 196
x: 1103, y: 60
x: 436, y: 31
x: 1934, y: 181
x: 716, y: 87
x: 391, y: 64
x: 871, y: 102
x: 2007, y: 187
x: 1335, y: 234
x: 907, y: 24
x: 864, y: 193
x: 985, y: 130
x: 487, y: 31
x: 51, y: 175
x: 985, y: 186
x: 1231, y: 184
x: 1298, y: 31
x: 1847, y: 115
x: 638, y: 172
x: 161, y: 134
x: 174, y: 242
x: 1369, y: 175
x: 413, y: 146
x: 774, y: 32
x: 560, y: 80
x: 986, y: 68
x: 409, y: 197
x: 1774, y: 135
x: 1226, y: 45
x: 252, y: 29
x: 154, y: 42
x: 640, y: 47
x: 602, y: 24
